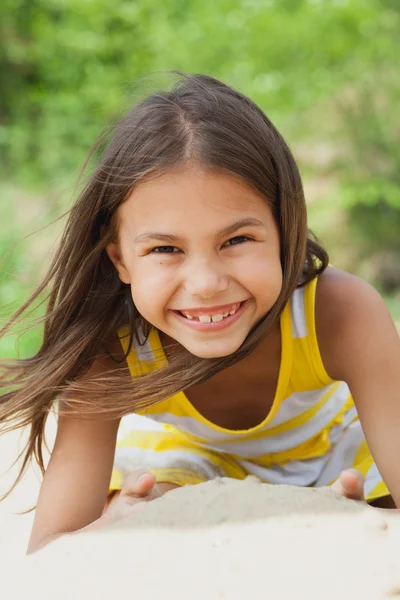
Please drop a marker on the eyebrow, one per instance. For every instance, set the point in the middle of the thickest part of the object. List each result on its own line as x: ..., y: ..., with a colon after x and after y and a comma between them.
x: 169, y: 238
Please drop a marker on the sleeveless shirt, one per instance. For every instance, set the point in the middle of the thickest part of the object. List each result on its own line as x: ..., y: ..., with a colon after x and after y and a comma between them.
x: 310, y: 435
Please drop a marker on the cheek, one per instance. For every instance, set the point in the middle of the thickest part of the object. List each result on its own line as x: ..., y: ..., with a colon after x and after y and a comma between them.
x: 268, y: 286
x: 151, y: 288
x: 262, y: 276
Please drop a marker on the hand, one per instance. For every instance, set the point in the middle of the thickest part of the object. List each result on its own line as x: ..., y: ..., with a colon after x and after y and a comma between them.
x: 350, y: 485
x: 139, y: 487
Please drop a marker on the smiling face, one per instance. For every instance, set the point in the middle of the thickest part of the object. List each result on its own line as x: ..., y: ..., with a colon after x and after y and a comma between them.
x: 200, y: 250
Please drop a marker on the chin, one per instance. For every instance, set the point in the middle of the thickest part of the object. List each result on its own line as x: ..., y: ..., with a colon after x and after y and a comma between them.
x: 212, y: 350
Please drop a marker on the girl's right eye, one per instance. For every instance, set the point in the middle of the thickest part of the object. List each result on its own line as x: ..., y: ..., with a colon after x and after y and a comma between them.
x: 164, y: 249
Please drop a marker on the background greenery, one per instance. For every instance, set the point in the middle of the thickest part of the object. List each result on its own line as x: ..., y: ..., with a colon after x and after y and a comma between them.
x: 325, y: 72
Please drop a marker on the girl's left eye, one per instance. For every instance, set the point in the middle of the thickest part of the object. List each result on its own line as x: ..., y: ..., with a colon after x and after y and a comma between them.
x: 164, y: 249
x: 239, y: 239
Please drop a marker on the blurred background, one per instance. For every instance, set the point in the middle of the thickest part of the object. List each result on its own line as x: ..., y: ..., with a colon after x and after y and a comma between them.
x: 324, y: 71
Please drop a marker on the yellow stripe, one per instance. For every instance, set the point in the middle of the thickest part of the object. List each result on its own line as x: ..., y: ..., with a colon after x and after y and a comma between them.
x: 154, y: 440
x: 363, y: 462
x: 378, y: 492
x: 159, y: 441
x: 178, y: 476
x: 173, y: 405
x: 339, y: 417
x: 116, y: 481
x: 133, y: 363
x: 303, y: 377
x: 318, y: 445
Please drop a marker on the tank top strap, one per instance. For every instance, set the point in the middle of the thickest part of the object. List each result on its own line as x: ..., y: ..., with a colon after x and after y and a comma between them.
x: 145, y: 354
x: 308, y: 371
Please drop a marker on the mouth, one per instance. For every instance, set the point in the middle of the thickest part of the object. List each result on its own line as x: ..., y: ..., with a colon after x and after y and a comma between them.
x: 212, y: 319
x: 213, y: 314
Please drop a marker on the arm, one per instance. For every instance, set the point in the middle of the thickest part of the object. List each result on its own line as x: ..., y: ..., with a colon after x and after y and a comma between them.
x: 73, y: 500
x: 359, y: 344
x: 75, y: 485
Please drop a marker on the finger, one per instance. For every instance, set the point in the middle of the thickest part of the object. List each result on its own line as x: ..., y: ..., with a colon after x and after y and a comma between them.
x: 350, y: 485
x: 139, y: 484
x: 353, y: 483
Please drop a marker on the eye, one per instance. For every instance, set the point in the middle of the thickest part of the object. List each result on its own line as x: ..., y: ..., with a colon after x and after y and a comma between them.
x: 238, y: 239
x: 164, y: 249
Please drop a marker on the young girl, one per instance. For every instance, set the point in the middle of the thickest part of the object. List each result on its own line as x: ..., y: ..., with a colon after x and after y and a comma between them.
x: 188, y: 298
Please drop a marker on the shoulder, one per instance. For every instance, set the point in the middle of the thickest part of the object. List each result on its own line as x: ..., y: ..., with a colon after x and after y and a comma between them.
x: 341, y: 296
x: 109, y: 357
x: 349, y: 315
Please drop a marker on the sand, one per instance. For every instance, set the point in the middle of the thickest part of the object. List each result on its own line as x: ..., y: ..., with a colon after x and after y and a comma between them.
x: 224, y: 539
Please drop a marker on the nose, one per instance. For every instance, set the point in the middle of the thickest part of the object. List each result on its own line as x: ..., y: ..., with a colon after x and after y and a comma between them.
x: 205, y: 279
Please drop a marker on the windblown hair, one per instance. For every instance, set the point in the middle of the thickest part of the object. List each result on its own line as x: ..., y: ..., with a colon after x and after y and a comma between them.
x: 200, y: 120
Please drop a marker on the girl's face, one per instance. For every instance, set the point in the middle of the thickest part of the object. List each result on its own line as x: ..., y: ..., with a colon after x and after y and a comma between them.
x: 200, y: 250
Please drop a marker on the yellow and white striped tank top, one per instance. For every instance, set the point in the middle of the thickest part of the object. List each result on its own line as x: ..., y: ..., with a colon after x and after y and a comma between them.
x: 310, y: 435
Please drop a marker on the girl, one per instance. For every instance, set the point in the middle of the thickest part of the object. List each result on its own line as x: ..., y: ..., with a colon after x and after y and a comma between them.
x: 188, y: 298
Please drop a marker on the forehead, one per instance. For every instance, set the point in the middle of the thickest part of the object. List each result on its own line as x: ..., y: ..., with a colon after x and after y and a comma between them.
x: 191, y: 197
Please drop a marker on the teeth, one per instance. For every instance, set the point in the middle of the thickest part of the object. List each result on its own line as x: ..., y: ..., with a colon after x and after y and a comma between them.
x: 217, y: 318
x: 205, y: 319
x: 208, y: 318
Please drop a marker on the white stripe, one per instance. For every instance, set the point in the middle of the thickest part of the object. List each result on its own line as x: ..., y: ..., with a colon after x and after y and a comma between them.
x: 144, y: 352
x: 295, y: 472
x: 131, y: 459
x: 135, y: 422
x: 337, y: 431
x: 190, y: 425
x: 298, y: 314
x: 296, y: 404
x: 342, y: 454
x: 349, y: 416
x: 372, y: 479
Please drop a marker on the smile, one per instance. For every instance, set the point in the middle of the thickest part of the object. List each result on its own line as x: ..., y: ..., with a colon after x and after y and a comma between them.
x: 211, y: 319
x: 215, y: 315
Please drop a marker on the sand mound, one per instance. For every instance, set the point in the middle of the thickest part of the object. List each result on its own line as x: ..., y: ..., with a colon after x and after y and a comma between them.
x: 230, y: 501
x: 226, y: 540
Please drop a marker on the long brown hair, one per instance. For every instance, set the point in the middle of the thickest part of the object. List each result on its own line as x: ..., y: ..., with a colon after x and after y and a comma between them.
x: 202, y: 120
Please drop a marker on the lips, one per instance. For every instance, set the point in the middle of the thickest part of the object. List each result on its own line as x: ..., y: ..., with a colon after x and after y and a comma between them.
x: 213, y: 322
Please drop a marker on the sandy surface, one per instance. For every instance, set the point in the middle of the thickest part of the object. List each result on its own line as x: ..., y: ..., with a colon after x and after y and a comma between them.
x: 220, y: 540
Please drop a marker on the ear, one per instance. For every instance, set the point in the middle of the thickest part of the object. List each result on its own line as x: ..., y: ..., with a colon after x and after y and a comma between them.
x: 114, y: 254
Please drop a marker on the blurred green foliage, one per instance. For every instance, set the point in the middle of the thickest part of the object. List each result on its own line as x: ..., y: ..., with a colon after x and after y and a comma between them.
x: 325, y: 72
x: 66, y: 64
